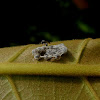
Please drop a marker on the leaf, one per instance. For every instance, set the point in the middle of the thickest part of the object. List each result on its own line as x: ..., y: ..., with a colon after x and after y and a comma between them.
x: 43, y: 84
x: 85, y: 27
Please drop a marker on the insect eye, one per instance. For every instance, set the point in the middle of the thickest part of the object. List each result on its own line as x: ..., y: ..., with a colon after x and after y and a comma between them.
x: 43, y: 41
x: 46, y: 44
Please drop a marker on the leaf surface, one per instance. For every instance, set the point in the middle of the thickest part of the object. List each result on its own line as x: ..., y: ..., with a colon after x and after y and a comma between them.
x: 48, y: 86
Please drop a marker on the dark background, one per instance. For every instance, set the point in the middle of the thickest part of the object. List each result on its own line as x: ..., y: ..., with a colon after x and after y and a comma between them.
x: 52, y: 20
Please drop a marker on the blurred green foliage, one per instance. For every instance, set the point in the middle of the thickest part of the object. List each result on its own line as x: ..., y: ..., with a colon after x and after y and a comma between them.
x: 85, y: 28
x: 31, y: 22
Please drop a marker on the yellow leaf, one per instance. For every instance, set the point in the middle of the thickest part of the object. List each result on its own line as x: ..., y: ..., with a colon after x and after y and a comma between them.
x: 23, y: 79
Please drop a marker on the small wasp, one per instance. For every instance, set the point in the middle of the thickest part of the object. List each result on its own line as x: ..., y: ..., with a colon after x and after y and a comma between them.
x: 45, y: 42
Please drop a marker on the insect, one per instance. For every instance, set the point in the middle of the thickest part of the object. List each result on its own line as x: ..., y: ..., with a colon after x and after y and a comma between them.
x: 45, y: 42
x: 52, y: 53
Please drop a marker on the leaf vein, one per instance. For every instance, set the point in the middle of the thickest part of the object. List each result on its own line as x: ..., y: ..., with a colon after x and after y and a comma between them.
x: 18, y: 53
x: 13, y: 87
x: 84, y: 79
x: 90, y: 88
x: 80, y: 92
x: 6, y: 95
